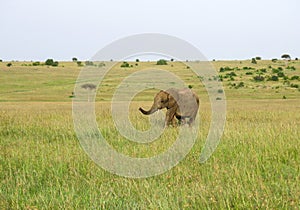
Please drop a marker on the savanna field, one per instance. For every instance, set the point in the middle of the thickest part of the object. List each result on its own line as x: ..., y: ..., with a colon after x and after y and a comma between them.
x: 255, y: 166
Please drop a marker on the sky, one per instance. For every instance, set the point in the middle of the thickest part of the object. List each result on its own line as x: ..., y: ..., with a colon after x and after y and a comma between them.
x: 221, y: 29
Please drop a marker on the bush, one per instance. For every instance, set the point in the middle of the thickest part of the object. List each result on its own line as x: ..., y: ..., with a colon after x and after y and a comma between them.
x: 253, y: 61
x: 223, y: 69
x: 161, y: 62
x: 263, y: 70
x: 274, y: 60
x: 125, y: 65
x: 231, y: 74
x: 101, y: 64
x: 280, y: 74
x: 9, y: 64
x: 241, y: 84
x: 89, y: 63
x: 249, y: 73
x: 37, y: 63
x: 294, y: 86
x: 55, y: 63
x: 295, y: 77
x: 273, y: 78
x: 275, y: 71
x: 292, y: 68
x: 258, y: 78
x: 79, y: 63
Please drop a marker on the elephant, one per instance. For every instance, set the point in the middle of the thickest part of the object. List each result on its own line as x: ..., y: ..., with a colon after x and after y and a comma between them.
x: 181, y: 104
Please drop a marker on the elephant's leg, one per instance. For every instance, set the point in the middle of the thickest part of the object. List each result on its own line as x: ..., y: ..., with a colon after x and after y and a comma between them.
x: 192, y: 117
x: 170, y: 116
x: 174, y: 122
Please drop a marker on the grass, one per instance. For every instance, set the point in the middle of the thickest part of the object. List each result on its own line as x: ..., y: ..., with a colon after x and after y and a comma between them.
x: 42, y: 165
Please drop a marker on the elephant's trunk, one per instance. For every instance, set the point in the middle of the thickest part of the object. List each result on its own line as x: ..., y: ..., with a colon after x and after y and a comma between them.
x: 150, y: 111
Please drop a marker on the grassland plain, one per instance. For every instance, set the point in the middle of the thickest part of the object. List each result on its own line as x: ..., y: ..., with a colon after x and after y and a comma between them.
x: 256, y: 165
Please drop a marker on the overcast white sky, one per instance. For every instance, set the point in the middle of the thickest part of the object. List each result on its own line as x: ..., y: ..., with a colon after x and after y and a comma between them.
x: 220, y: 29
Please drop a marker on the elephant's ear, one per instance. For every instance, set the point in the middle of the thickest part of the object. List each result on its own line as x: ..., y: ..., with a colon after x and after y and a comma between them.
x: 173, y: 97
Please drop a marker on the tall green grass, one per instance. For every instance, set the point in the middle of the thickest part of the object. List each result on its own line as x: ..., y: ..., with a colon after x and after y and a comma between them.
x: 255, y: 166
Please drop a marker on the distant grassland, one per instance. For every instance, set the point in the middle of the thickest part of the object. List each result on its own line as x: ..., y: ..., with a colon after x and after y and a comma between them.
x: 256, y: 165
x: 24, y: 82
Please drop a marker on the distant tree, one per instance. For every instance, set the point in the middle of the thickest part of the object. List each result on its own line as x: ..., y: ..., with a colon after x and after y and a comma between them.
x: 172, y: 59
x: 74, y: 59
x: 0, y: 60
x: 274, y: 60
x: 89, y: 87
x: 137, y: 60
x: 253, y: 61
x: 51, y: 62
x: 9, y: 64
x: 296, y: 59
x: 161, y: 62
x: 286, y: 57
x: 258, y: 58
